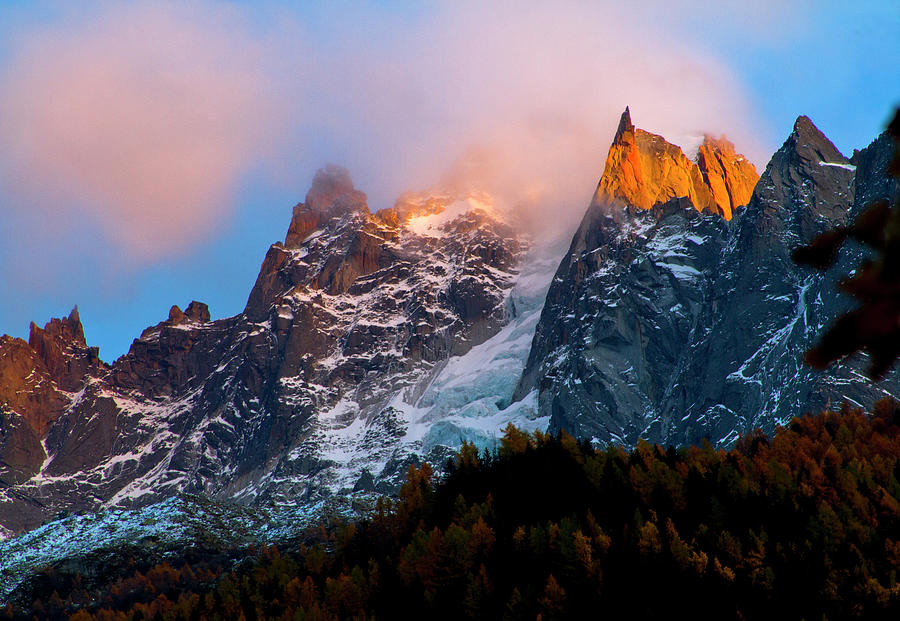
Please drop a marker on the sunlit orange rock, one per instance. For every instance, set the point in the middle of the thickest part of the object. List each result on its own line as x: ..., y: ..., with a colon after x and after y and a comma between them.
x: 730, y: 176
x: 644, y: 170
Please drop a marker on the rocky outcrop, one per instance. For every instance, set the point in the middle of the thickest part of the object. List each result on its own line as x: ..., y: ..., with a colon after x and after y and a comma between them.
x: 729, y: 175
x: 673, y: 325
x: 643, y: 170
x: 61, y: 347
x: 196, y: 312
x: 37, y: 382
x: 331, y: 195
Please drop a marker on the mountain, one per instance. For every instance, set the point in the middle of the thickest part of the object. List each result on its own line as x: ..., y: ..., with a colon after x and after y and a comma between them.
x: 305, y: 394
x: 373, y: 340
x: 668, y: 321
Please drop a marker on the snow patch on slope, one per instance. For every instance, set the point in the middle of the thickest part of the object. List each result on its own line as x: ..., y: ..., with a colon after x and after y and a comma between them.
x: 167, y: 526
x: 433, y: 225
x: 838, y: 165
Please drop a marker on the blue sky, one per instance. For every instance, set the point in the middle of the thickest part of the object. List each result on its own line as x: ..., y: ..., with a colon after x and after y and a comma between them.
x: 394, y: 91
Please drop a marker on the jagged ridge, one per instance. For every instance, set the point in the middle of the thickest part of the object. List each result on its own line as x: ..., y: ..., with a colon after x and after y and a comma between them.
x: 664, y: 321
x: 303, y: 395
x: 671, y: 325
x: 643, y: 170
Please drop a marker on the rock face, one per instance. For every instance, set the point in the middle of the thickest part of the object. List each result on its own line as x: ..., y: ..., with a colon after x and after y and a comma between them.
x: 752, y: 373
x: 37, y: 382
x: 643, y: 171
x: 674, y: 325
x: 729, y: 175
x: 303, y: 395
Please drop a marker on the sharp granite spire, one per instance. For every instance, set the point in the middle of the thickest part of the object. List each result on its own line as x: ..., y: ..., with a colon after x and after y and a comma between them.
x: 644, y: 170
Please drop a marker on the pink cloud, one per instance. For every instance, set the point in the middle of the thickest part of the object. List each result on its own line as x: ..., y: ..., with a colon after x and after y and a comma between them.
x: 142, y: 117
x: 536, y: 89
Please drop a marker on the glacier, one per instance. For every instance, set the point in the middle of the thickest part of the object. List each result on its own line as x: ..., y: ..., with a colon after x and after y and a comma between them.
x: 470, y: 399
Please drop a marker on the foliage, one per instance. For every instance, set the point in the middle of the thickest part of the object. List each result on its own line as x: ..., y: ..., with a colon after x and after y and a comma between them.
x: 805, y: 524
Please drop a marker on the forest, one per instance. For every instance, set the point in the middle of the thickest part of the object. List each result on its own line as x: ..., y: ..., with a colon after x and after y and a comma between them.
x: 802, y: 525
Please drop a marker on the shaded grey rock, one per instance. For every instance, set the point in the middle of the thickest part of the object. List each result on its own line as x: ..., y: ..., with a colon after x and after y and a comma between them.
x: 619, y: 318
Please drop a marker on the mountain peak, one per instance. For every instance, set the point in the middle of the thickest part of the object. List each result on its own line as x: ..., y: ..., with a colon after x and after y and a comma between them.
x: 806, y: 131
x: 729, y: 176
x: 625, y: 124
x: 331, y: 194
x: 720, y: 144
x: 65, y: 329
x: 195, y: 311
x: 804, y: 124
x: 332, y: 191
x: 644, y: 170
x: 198, y: 311
x: 811, y: 145
x: 61, y: 346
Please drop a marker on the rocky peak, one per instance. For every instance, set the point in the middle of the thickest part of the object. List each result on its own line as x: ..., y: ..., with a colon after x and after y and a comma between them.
x: 807, y: 152
x: 625, y: 124
x: 196, y: 311
x: 327, y: 249
x: 644, y: 170
x: 332, y: 192
x: 807, y: 145
x: 807, y: 187
x: 37, y: 380
x: 62, y: 348
x: 62, y: 329
x: 331, y: 195
x: 730, y: 176
x: 176, y: 315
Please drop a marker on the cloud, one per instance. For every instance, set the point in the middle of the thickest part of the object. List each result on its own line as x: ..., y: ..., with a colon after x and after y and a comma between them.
x: 535, y: 90
x: 140, y: 117
x: 145, y: 117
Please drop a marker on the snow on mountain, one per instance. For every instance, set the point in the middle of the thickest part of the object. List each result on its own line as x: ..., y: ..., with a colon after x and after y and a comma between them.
x: 159, y: 531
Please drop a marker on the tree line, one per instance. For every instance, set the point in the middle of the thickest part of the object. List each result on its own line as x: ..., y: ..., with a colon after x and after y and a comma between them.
x: 802, y: 525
